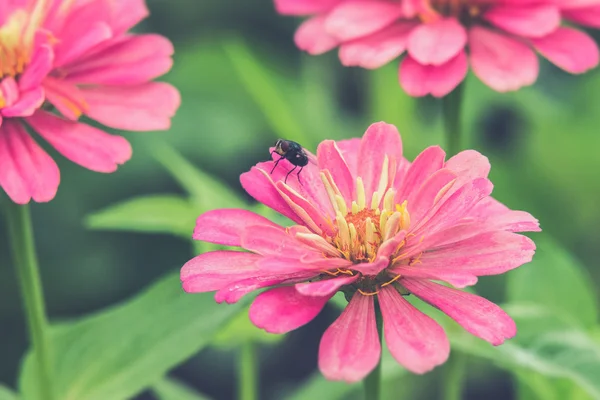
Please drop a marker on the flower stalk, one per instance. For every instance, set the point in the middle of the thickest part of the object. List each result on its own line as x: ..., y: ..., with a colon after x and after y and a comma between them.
x: 247, y: 374
x: 452, y: 108
x: 372, y: 382
x: 25, y: 260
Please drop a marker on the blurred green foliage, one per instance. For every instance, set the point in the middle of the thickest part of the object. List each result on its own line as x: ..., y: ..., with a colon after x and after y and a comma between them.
x: 244, y: 85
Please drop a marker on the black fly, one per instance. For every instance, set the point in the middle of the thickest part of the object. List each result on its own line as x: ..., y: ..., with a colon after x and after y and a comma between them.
x: 292, y: 152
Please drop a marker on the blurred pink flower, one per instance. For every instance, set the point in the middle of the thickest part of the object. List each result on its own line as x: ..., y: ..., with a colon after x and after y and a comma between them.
x: 77, y: 58
x: 376, y: 227
x: 498, y: 38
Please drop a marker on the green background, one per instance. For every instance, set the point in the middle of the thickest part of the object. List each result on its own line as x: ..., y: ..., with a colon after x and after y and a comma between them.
x: 243, y: 85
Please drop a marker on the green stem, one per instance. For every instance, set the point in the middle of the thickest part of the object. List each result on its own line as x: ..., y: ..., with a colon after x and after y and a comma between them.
x: 373, y: 380
x: 454, y: 376
x: 248, y: 369
x: 452, y: 107
x: 25, y: 260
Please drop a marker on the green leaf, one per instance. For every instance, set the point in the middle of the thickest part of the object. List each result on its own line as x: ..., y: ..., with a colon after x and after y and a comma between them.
x: 7, y: 394
x: 556, y: 280
x: 240, y: 330
x: 261, y: 85
x: 154, y: 214
x: 121, y: 351
x: 170, y: 389
x: 557, y: 354
x: 205, y: 190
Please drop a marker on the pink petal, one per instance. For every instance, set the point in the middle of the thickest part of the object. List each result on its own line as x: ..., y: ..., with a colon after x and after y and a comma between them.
x: 28, y: 102
x: 460, y: 263
x: 308, y: 184
x: 350, y: 149
x: 570, y: 49
x: 455, y: 207
x: 233, y: 292
x: 226, y: 226
x: 493, y: 58
x: 477, y: 315
x: 469, y: 164
x: 525, y: 20
x: 216, y: 269
x: 271, y: 240
x: 437, y: 42
x: 66, y: 97
x: 588, y: 16
x: 126, y: 14
x: 420, y: 80
x: 310, y: 262
x: 26, y: 170
x: 376, y: 50
x: 283, y: 309
x: 146, y: 107
x: 312, y: 37
x: 422, y: 200
x: 372, y: 268
x: 311, y: 216
x: 260, y: 186
x: 82, y: 144
x: 415, y: 340
x: 326, y: 287
x: 491, y: 212
x: 379, y: 140
x: 133, y: 60
x: 303, y: 7
x: 330, y: 157
x: 356, y: 18
x: 350, y: 347
x: 9, y: 90
x: 83, y: 37
x: 429, y: 161
x: 38, y: 68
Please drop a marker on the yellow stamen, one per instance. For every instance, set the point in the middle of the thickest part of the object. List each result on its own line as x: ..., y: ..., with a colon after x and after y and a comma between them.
x: 360, y: 194
x: 375, y: 201
x: 392, y: 281
x: 353, y: 235
x: 388, y: 200
x: 341, y: 203
x: 385, y: 175
x: 368, y: 293
x: 355, y: 209
x: 330, y: 191
x: 369, y: 235
x: 391, y: 227
x: 343, y: 231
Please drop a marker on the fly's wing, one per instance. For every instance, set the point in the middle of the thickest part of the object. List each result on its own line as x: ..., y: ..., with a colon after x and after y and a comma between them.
x: 311, y: 157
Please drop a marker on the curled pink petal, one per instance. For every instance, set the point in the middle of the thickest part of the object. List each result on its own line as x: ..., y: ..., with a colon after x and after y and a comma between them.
x: 535, y: 20
x: 380, y: 140
x: 284, y: 309
x: 438, y: 80
x: 326, y: 287
x: 570, y: 49
x: 352, y: 19
x: 415, y: 340
x: 226, y: 226
x: 437, y: 42
x: 477, y: 315
x: 350, y: 347
x: 145, y: 107
x: 82, y: 144
x: 26, y: 170
x: 492, y: 56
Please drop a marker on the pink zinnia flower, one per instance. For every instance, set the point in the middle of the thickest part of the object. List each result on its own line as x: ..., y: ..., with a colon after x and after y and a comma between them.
x: 498, y: 38
x: 60, y: 60
x: 373, y: 225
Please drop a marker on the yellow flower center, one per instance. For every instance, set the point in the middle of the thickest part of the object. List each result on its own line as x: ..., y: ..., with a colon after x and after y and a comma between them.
x: 464, y: 10
x: 366, y: 225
